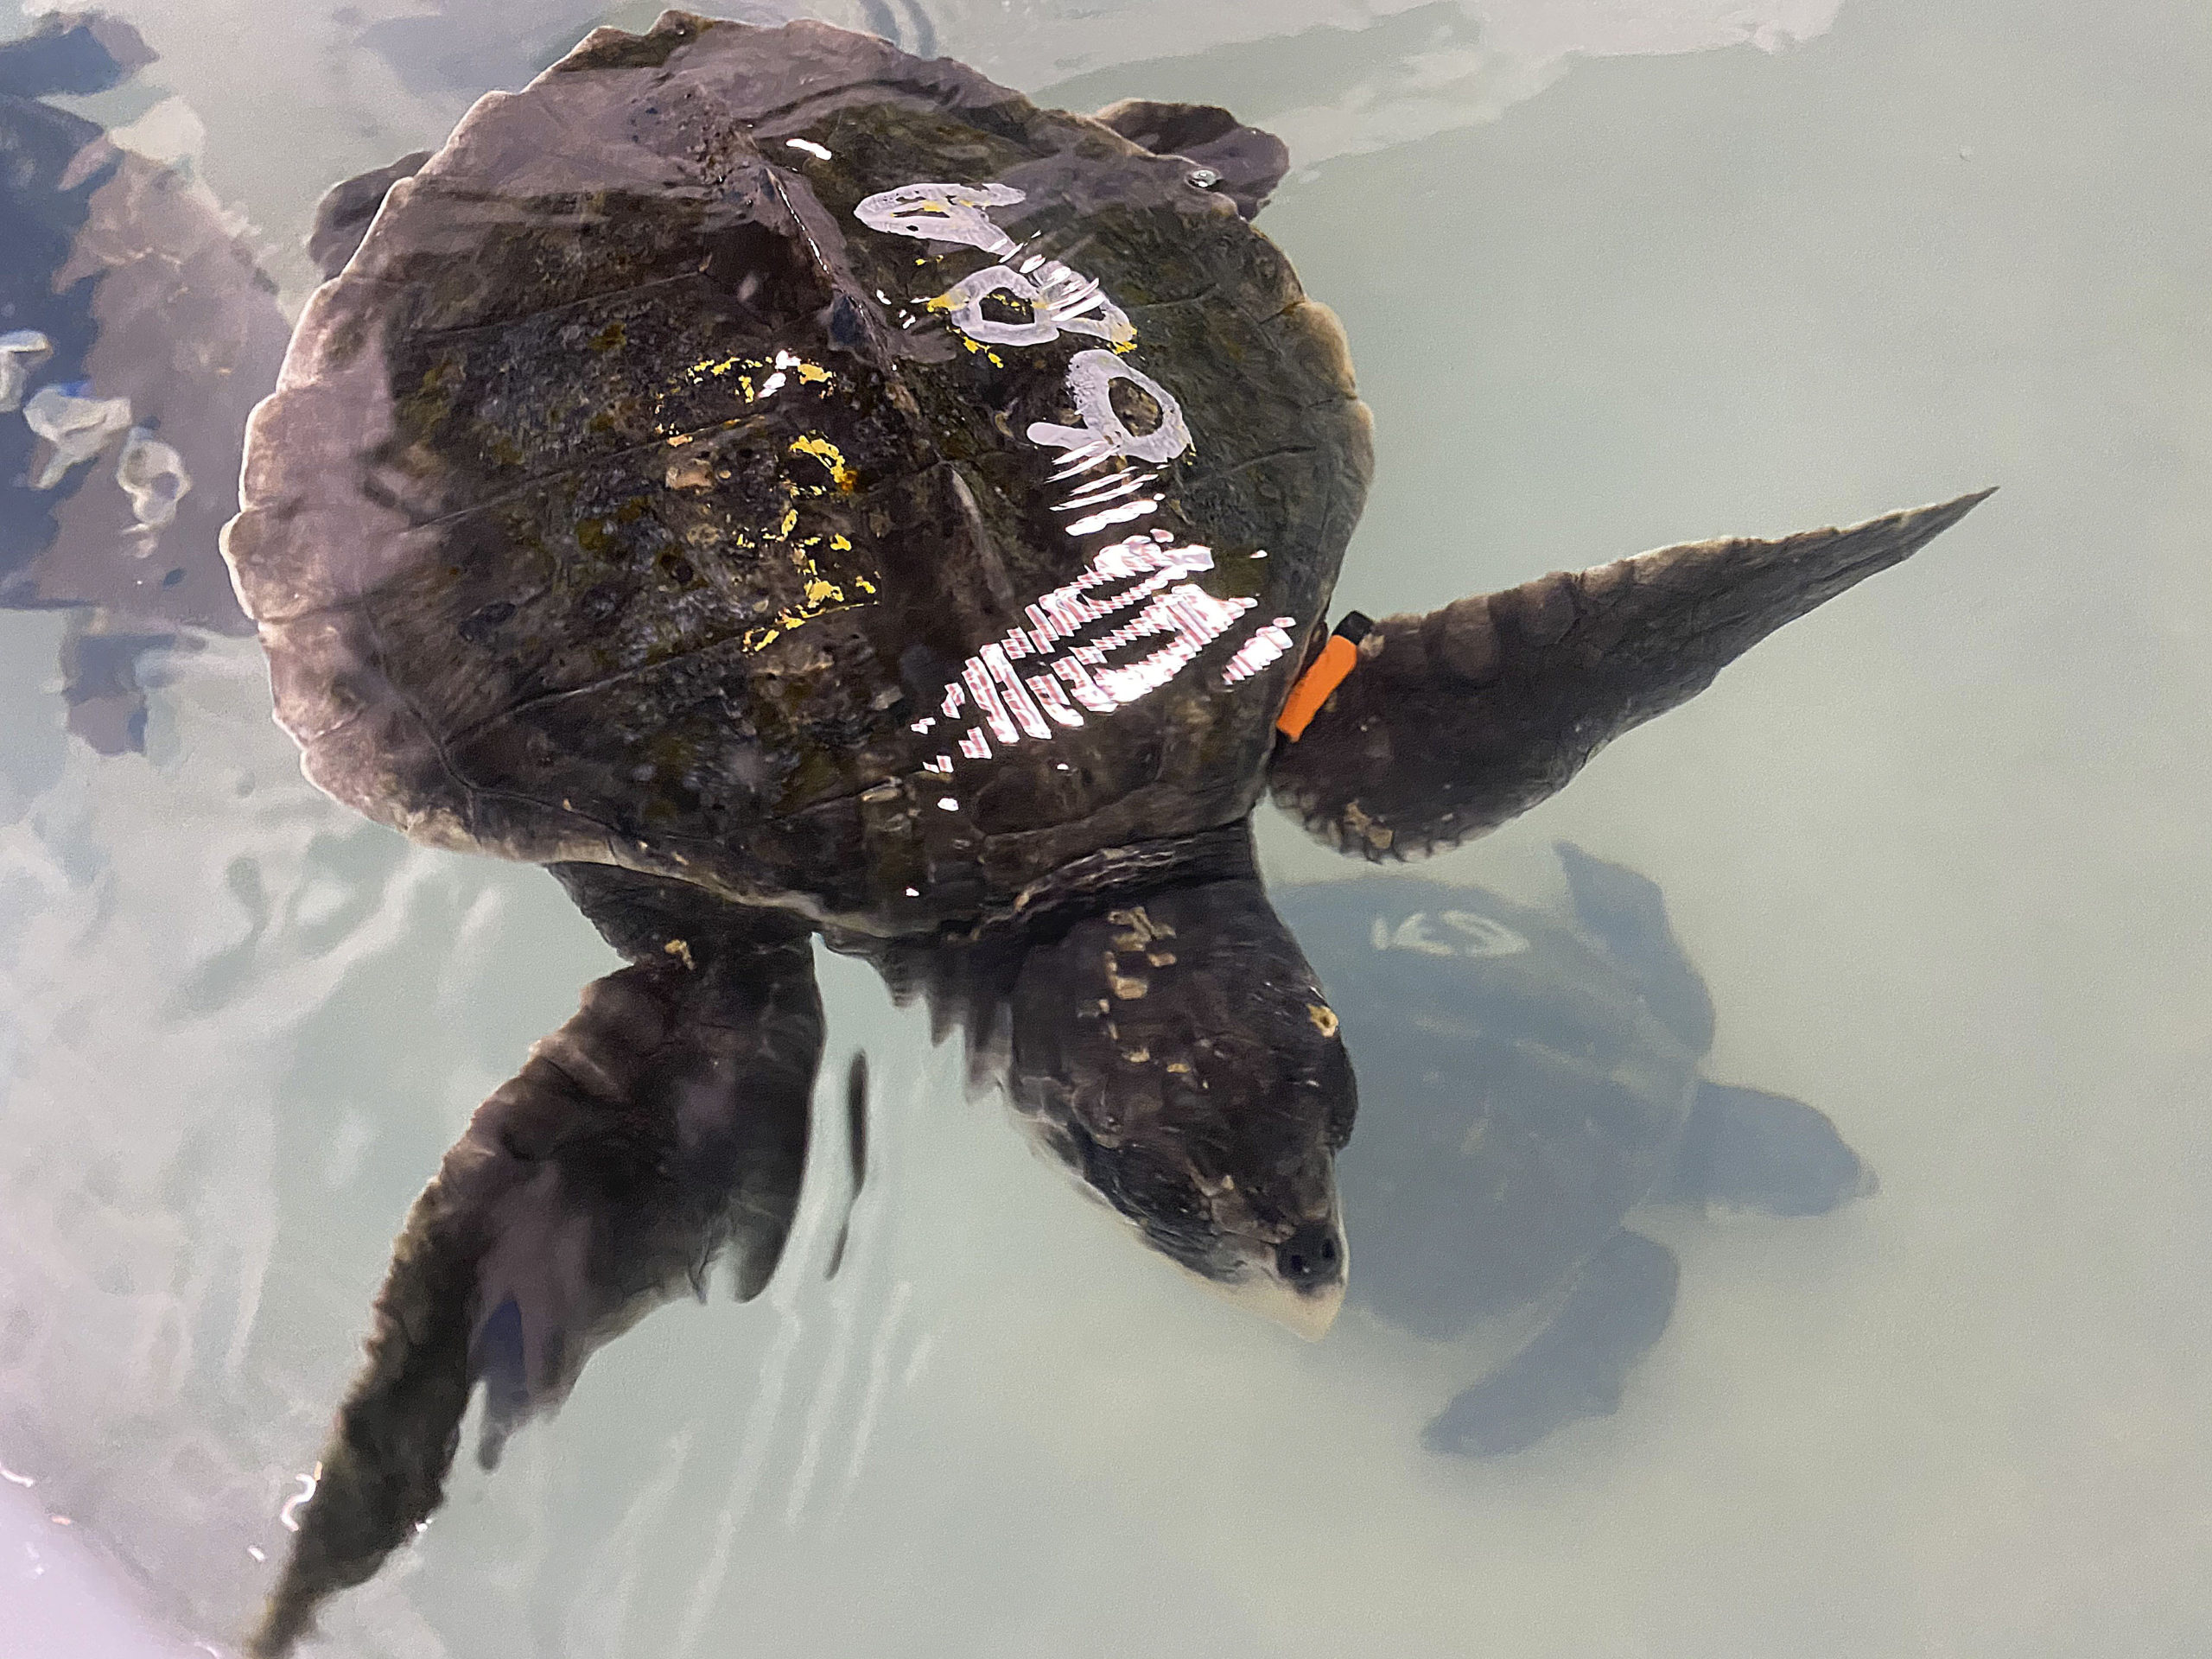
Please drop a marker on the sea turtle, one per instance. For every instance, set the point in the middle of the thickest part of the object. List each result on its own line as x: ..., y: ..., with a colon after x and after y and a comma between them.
x: 789, y: 487
x: 136, y: 332
x: 1529, y: 1082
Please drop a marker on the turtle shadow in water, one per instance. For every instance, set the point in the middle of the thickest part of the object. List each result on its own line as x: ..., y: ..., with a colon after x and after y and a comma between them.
x: 136, y: 332
x: 1529, y: 1080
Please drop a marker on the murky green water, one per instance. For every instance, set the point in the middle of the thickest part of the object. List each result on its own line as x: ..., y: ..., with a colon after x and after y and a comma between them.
x: 1615, y: 276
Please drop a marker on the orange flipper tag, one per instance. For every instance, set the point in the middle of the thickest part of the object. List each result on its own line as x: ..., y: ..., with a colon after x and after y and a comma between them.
x: 1338, y: 658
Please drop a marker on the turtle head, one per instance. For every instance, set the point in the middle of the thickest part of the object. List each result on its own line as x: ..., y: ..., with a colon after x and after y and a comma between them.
x: 1177, y: 1053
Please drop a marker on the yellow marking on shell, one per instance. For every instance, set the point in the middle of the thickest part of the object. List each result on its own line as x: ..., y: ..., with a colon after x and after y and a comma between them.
x: 821, y: 596
x: 790, y: 523
x: 1127, y: 987
x: 830, y: 456
x: 681, y: 950
x: 695, y: 471
x: 708, y: 368
x: 1142, y: 929
x: 1324, y: 1017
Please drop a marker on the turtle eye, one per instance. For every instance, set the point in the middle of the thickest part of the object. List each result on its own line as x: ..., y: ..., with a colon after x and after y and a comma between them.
x: 1204, y: 177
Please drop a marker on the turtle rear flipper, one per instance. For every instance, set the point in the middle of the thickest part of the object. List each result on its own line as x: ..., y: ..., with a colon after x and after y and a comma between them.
x: 1755, y: 1151
x: 1574, y: 1367
x: 1455, y: 722
x: 342, y: 218
x: 1246, y: 163
x: 667, y: 1121
x: 74, y: 54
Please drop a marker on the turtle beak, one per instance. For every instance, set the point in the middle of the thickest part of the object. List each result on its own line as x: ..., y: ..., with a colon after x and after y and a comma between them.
x: 1300, y: 1285
x: 1308, y: 1313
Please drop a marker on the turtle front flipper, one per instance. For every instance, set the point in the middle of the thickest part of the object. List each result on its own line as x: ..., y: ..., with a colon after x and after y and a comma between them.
x: 1624, y: 912
x: 1575, y: 1367
x: 666, y: 1121
x: 1455, y: 722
